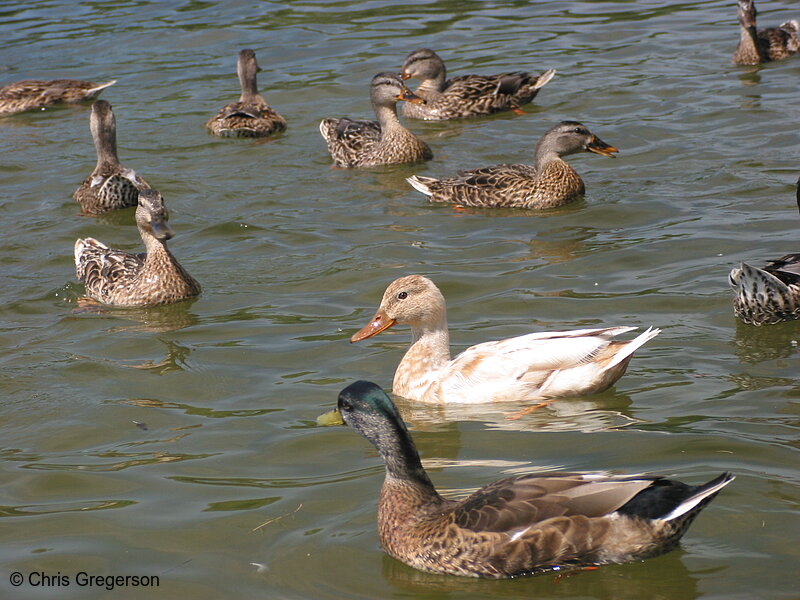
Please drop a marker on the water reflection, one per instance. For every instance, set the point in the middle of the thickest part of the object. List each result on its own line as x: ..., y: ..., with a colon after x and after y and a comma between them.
x: 759, y: 344
x: 156, y: 319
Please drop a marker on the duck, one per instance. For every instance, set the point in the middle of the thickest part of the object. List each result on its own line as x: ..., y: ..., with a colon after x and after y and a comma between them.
x: 110, y: 186
x: 757, y: 46
x: 360, y: 143
x: 122, y: 279
x: 549, y: 182
x: 536, y: 366
x: 520, y: 525
x: 30, y: 94
x: 250, y: 116
x: 466, y: 95
x: 770, y: 294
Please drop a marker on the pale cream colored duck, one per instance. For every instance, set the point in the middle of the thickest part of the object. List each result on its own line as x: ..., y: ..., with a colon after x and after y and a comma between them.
x: 536, y: 366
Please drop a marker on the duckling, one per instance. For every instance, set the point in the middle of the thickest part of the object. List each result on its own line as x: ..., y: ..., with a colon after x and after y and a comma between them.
x: 773, y: 43
x: 123, y: 279
x: 770, y: 294
x: 520, y: 525
x: 382, y: 142
x: 536, y: 366
x: 548, y: 183
x: 31, y: 94
x: 110, y: 186
x: 250, y: 116
x: 466, y: 95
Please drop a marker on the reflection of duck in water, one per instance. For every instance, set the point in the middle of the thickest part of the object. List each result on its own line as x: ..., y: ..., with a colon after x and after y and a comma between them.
x: 770, y: 294
x: 520, y: 525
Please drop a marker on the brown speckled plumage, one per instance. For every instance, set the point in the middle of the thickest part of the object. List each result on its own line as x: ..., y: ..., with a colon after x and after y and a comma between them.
x: 519, y: 525
x: 770, y: 294
x: 31, y: 94
x: 757, y: 46
x: 124, y: 279
x: 466, y: 95
x: 548, y: 183
x: 250, y: 116
x: 370, y: 143
x: 110, y: 186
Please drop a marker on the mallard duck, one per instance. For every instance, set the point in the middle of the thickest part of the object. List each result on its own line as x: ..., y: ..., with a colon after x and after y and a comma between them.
x: 110, y: 186
x: 31, y: 94
x: 773, y: 43
x: 770, y: 294
x: 382, y: 142
x: 466, y: 95
x: 548, y: 183
x: 529, y: 367
x: 250, y: 116
x: 123, y: 279
x: 519, y: 525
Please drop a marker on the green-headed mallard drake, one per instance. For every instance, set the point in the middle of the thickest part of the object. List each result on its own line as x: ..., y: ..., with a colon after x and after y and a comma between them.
x: 124, y: 279
x: 536, y: 366
x: 110, y: 186
x: 31, y: 94
x: 466, y: 95
x: 770, y: 294
x: 382, y: 142
x: 520, y: 525
x: 250, y: 116
x: 757, y: 46
x: 548, y: 183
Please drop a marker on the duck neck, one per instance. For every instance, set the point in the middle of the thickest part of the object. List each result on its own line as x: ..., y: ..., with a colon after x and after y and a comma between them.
x: 387, y: 117
x: 249, y: 85
x: 431, y: 88
x: 748, y: 45
x: 158, y: 257
x: 105, y: 142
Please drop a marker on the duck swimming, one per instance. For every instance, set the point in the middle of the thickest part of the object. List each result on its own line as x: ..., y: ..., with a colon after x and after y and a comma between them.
x: 147, y: 279
x: 466, y: 95
x: 250, y: 116
x: 370, y: 143
x: 548, y: 183
x: 30, y: 94
x: 536, y: 366
x: 110, y: 186
x: 519, y: 525
x: 757, y: 46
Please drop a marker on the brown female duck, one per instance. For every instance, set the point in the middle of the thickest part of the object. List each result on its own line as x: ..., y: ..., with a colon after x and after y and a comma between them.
x: 31, y: 94
x: 520, y: 525
x: 466, y: 95
x: 770, y: 294
x: 123, y: 279
x: 548, y: 183
x: 757, y: 46
x: 382, y: 142
x: 110, y: 186
x: 250, y: 116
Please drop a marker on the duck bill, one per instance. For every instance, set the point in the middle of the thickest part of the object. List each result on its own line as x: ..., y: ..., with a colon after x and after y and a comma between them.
x: 379, y: 322
x: 598, y: 146
x: 405, y: 75
x: 410, y: 96
x: 332, y: 417
x: 161, y: 230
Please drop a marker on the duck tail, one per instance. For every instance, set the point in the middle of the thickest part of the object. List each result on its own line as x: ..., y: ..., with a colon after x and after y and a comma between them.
x: 422, y: 184
x: 543, y: 79
x: 632, y: 346
x: 99, y: 87
x: 756, y: 287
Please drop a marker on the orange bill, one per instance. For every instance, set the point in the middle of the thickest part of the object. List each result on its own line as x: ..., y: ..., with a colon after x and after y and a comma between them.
x: 404, y: 75
x: 410, y: 96
x: 598, y: 146
x: 378, y: 323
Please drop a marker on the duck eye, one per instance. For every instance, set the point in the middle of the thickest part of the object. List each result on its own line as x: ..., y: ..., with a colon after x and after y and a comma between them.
x: 346, y: 406
x: 578, y: 130
x: 402, y: 295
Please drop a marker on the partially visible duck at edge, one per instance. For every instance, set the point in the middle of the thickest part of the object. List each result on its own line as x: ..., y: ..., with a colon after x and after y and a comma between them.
x: 770, y: 294
x: 757, y: 46
x: 250, y: 116
x: 466, y: 95
x: 361, y: 143
x: 110, y: 186
x: 536, y: 366
x: 31, y: 94
x: 520, y: 525
x: 123, y: 279
x: 549, y: 182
